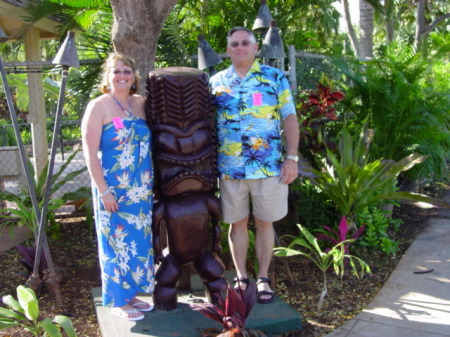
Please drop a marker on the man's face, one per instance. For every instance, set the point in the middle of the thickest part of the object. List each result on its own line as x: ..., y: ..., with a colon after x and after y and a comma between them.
x: 241, y: 48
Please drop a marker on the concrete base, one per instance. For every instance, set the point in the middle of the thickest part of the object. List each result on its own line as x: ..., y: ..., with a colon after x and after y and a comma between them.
x: 274, y: 319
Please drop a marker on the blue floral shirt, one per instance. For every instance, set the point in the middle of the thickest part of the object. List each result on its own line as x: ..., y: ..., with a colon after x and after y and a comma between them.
x: 249, y: 115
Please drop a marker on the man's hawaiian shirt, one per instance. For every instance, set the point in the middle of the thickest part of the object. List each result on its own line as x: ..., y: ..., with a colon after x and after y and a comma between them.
x: 249, y: 116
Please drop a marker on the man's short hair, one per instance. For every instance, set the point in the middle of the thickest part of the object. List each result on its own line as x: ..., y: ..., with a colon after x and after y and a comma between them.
x: 240, y: 29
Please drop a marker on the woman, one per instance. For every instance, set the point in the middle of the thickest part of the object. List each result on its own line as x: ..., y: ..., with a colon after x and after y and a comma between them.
x: 116, y: 145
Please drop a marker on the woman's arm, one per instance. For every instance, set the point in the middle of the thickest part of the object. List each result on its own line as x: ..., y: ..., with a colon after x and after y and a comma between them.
x: 91, y: 131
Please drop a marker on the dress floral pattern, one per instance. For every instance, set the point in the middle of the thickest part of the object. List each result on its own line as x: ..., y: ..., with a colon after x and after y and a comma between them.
x: 125, y: 236
x: 249, y: 115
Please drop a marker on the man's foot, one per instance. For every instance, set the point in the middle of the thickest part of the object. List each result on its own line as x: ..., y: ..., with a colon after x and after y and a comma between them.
x: 141, y: 305
x: 264, y: 294
x: 127, y: 312
x: 241, y: 283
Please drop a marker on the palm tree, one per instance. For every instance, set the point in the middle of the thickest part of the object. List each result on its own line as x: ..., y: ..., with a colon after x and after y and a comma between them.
x: 93, y: 20
x: 363, y: 46
x: 135, y: 27
x: 422, y: 28
x: 366, y: 23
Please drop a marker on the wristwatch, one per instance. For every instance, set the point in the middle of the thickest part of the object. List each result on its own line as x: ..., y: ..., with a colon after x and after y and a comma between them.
x: 294, y: 158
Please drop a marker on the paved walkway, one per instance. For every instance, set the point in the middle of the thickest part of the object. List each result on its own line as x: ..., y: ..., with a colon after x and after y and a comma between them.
x: 411, y: 303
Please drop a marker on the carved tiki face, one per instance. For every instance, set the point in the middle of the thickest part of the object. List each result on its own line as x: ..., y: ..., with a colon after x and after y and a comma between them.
x: 180, y: 114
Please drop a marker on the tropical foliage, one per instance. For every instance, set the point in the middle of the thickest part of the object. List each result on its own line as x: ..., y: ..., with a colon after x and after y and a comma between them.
x: 353, y: 182
x: 23, y: 213
x: 335, y: 258
x: 378, y: 226
x: 316, y: 110
x: 308, y: 25
x: 336, y: 237
x: 231, y: 312
x: 24, y: 313
x: 408, y: 112
x: 315, y: 208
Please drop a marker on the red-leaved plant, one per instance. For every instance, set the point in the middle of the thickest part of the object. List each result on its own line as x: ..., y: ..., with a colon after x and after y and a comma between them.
x: 320, y: 104
x: 232, y: 311
x: 316, y: 108
x: 342, y: 235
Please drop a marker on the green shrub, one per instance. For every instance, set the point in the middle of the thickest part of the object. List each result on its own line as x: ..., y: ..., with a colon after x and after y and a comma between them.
x: 354, y: 183
x: 407, y: 106
x: 315, y: 208
x: 378, y: 225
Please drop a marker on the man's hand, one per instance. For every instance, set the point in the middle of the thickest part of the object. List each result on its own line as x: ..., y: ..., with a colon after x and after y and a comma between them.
x: 289, y: 171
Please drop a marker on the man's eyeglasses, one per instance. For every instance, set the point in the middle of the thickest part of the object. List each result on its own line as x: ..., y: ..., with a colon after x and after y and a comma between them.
x: 244, y: 43
x: 125, y: 72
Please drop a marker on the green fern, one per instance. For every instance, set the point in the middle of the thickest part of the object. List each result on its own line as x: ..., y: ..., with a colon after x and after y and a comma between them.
x: 408, y: 113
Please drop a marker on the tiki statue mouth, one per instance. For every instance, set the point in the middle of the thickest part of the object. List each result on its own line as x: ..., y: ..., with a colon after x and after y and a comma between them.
x: 187, y: 182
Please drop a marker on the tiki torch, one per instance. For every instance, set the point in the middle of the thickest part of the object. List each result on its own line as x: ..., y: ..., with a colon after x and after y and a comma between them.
x: 66, y: 57
x: 34, y: 282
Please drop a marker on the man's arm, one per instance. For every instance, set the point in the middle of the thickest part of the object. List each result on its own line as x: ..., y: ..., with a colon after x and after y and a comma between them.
x: 289, y: 170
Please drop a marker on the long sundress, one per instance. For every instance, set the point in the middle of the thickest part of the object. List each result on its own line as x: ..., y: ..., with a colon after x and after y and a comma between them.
x: 125, y: 237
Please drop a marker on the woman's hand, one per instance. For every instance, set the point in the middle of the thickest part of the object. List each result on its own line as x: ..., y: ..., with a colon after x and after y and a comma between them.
x: 109, y: 202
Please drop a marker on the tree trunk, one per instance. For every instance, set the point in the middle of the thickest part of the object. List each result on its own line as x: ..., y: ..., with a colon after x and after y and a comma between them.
x: 422, y: 28
x: 350, y: 30
x: 420, y: 25
x: 390, y: 20
x: 136, y: 27
x: 366, y: 18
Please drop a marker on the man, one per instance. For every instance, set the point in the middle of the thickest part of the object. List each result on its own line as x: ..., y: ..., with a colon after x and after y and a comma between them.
x: 254, y: 103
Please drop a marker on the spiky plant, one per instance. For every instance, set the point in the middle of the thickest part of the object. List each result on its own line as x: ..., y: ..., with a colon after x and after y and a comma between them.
x: 307, y: 245
x: 232, y: 311
x: 353, y: 182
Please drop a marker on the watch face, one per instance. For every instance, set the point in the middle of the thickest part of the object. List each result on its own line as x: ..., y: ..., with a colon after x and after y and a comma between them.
x: 294, y: 158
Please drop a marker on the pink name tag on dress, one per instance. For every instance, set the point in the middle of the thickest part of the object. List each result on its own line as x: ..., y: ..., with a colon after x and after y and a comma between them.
x: 257, y: 98
x: 118, y: 123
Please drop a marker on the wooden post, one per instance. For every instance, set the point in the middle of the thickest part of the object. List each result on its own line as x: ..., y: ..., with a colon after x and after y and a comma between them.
x: 293, y: 70
x: 36, y: 106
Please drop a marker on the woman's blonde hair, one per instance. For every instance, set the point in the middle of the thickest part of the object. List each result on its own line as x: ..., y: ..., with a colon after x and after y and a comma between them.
x: 110, y: 63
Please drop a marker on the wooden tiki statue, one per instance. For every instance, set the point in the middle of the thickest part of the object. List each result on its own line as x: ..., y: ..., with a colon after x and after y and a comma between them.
x: 180, y: 114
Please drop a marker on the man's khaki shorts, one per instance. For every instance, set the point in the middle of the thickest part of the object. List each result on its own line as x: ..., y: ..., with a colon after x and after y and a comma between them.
x: 268, y: 197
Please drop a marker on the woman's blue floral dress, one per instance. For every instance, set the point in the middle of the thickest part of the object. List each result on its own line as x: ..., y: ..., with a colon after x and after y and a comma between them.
x: 125, y: 237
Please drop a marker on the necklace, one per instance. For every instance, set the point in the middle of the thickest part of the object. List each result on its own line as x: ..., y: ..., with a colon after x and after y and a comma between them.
x: 128, y: 112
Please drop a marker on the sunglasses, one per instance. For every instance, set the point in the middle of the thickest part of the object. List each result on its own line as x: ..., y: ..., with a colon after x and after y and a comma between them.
x: 244, y: 43
x: 125, y: 72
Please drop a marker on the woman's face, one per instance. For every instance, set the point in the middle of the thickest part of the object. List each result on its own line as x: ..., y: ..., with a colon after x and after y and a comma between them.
x: 121, y: 76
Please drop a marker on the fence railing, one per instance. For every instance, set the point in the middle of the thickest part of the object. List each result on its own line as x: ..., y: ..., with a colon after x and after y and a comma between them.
x: 11, y: 171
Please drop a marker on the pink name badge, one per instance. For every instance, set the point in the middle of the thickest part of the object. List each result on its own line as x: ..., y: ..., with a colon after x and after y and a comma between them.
x: 257, y: 98
x: 118, y: 124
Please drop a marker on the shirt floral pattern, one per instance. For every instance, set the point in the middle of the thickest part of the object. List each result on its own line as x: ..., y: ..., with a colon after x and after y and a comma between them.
x: 125, y: 236
x: 249, y: 113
